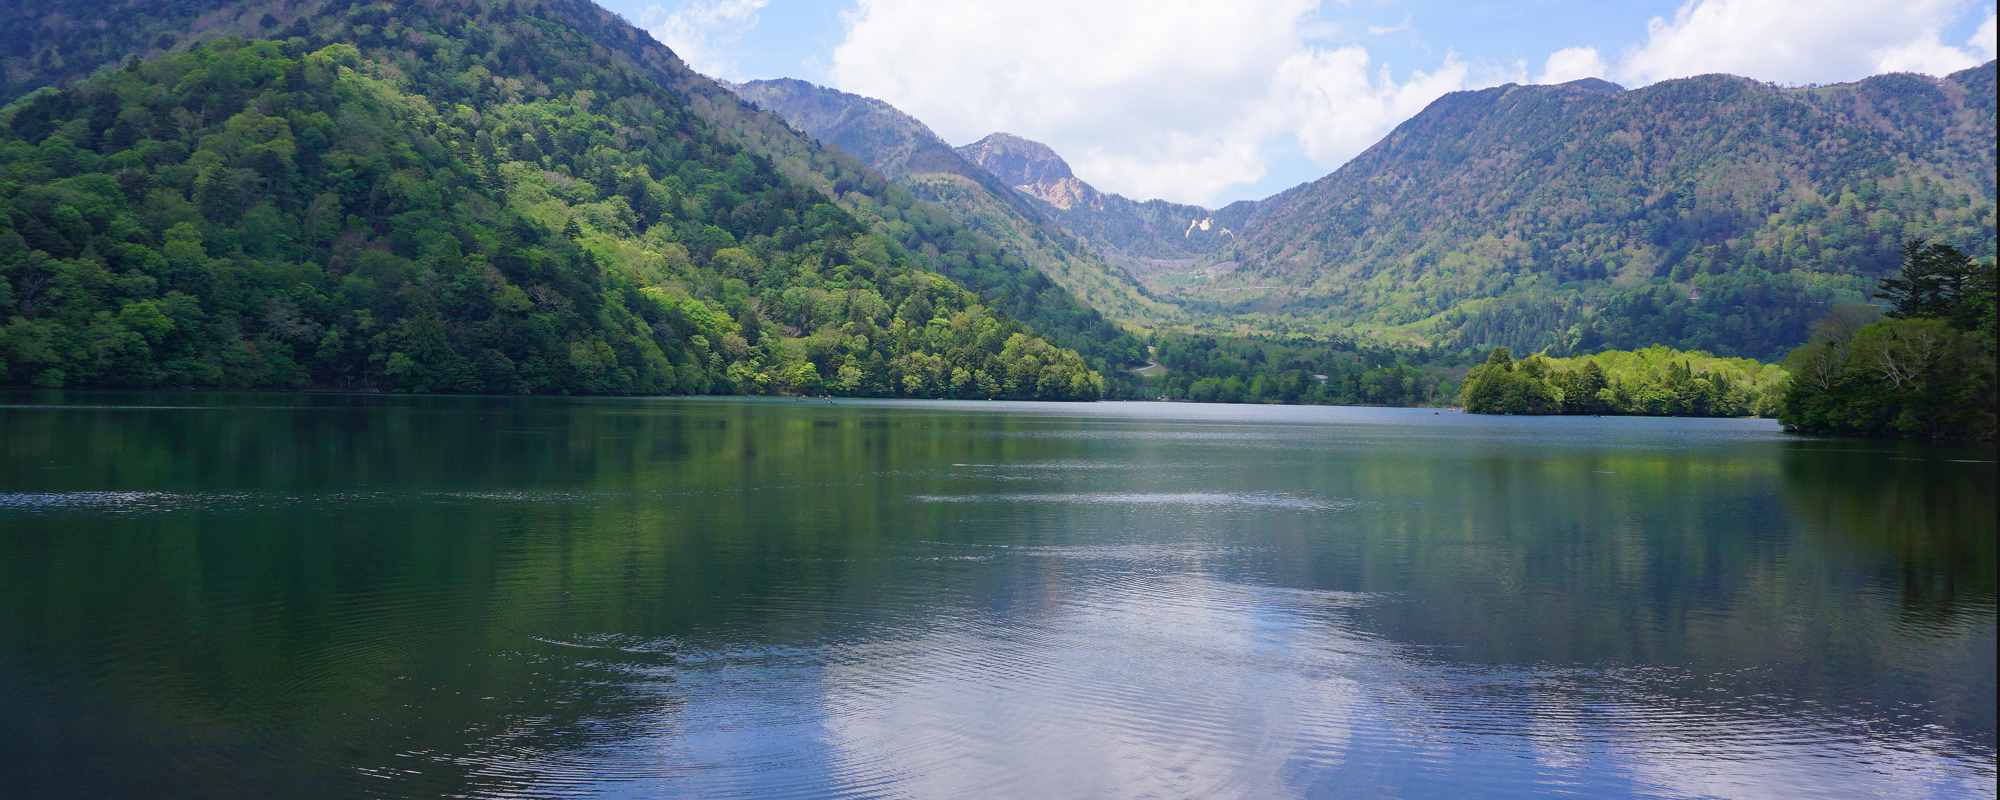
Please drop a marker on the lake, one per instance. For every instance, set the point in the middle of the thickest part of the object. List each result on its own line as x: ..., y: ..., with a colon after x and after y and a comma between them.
x: 213, y: 595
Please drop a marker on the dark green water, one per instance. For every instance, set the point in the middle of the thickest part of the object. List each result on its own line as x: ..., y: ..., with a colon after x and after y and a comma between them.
x: 335, y: 596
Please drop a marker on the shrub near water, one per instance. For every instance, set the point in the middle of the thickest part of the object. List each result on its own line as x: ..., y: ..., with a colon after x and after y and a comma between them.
x: 1655, y: 381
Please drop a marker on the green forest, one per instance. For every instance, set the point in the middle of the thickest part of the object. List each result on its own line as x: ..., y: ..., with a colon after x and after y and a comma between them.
x: 1654, y: 381
x: 1312, y: 371
x: 1926, y: 371
x: 499, y: 216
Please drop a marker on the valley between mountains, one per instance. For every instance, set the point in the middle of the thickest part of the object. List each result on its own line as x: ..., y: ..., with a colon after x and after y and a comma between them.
x: 1714, y: 212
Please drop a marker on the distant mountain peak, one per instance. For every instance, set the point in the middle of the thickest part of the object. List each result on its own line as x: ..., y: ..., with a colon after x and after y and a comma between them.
x: 1129, y: 230
x: 1017, y: 160
x: 894, y: 143
x: 1593, y: 85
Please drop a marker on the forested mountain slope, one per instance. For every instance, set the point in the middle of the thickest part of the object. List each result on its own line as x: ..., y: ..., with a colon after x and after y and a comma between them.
x: 984, y: 262
x: 910, y: 154
x: 1714, y: 212
x: 456, y: 195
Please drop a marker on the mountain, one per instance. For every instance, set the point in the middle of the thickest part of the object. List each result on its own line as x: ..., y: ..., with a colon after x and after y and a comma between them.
x: 1032, y: 168
x: 910, y: 154
x: 521, y: 196
x: 1141, y: 236
x: 1713, y: 212
x: 886, y: 139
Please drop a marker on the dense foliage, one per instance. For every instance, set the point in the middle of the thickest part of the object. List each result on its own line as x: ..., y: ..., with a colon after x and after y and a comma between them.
x: 1210, y: 369
x: 1655, y: 381
x: 498, y: 214
x: 1925, y: 372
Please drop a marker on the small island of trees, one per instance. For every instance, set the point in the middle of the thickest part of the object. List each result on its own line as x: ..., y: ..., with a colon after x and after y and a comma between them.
x: 1655, y: 381
x: 1925, y: 370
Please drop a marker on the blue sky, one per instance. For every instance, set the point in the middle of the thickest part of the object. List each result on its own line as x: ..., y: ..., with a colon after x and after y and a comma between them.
x: 1213, y: 102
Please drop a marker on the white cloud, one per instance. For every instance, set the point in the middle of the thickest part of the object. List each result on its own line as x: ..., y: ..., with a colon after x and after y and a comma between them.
x: 1083, y: 723
x: 1927, y: 56
x: 1572, y: 63
x: 1177, y: 100
x: 1191, y: 101
x: 1384, y: 30
x: 1983, y: 40
x: 1337, y: 106
x: 704, y: 32
x: 1820, y: 42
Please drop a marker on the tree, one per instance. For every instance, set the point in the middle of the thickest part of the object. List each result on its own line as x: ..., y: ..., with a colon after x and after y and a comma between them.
x: 1926, y: 372
x: 1939, y: 281
x: 1503, y: 386
x: 1652, y: 381
x: 1581, y: 387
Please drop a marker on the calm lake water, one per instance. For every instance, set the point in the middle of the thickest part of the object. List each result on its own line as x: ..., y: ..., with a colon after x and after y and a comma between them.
x: 264, y: 595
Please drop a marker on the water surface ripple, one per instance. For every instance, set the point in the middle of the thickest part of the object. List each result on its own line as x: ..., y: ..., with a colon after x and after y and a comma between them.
x: 329, y: 596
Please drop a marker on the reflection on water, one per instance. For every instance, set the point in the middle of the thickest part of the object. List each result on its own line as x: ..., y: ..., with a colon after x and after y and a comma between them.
x: 1186, y: 499
x: 217, y: 595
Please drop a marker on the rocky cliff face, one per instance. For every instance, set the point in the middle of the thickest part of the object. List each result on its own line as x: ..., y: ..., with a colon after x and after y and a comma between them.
x: 1032, y: 168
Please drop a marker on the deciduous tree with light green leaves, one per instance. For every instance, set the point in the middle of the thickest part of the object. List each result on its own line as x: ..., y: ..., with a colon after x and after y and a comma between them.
x: 1655, y: 381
